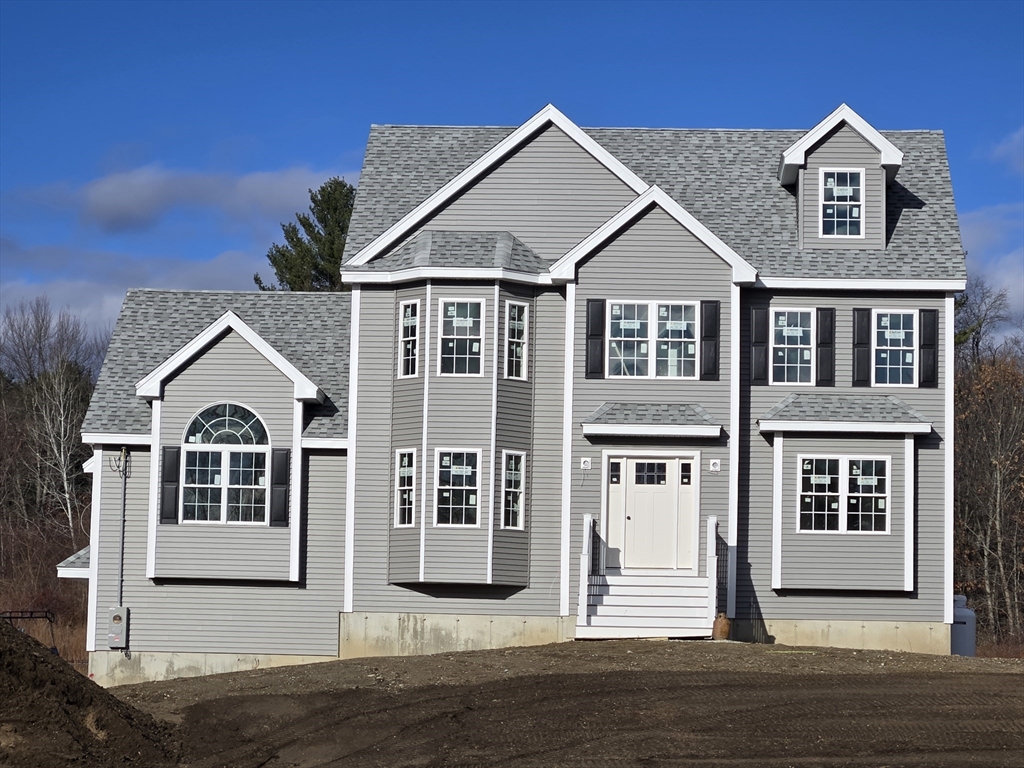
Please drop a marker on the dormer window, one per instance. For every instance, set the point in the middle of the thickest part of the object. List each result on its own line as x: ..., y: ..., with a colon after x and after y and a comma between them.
x: 842, y: 202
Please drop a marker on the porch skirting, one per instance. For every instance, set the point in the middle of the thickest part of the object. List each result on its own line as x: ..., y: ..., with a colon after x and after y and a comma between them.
x: 912, y: 636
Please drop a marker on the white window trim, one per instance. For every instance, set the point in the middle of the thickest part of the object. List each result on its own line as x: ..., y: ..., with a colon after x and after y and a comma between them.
x: 917, y: 344
x: 223, y: 448
x: 844, y: 493
x: 522, y: 490
x: 402, y: 339
x: 526, y: 340
x: 771, y: 346
x: 437, y: 476
x: 441, y: 337
x: 398, y: 454
x: 863, y: 203
x: 652, y: 338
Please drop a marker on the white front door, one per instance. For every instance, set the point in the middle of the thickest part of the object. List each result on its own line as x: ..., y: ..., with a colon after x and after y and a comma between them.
x: 658, y: 513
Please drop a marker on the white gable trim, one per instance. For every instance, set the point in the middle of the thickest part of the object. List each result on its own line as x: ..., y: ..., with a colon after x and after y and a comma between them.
x: 795, y: 156
x: 565, y: 267
x: 115, y: 438
x: 151, y: 387
x: 856, y: 284
x: 412, y: 274
x: 878, y: 427
x: 651, y: 430
x: 487, y: 161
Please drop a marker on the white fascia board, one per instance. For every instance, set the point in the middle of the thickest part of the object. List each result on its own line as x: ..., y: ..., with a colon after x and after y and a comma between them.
x: 830, y: 284
x: 151, y: 387
x: 115, y: 438
x: 487, y: 161
x: 89, y: 465
x: 565, y: 268
x: 354, y: 277
x: 72, y: 573
x: 796, y: 155
x: 650, y: 430
x: 879, y: 427
x: 325, y: 443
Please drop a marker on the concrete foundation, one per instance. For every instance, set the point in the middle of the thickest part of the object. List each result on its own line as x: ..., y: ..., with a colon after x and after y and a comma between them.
x: 412, y: 634
x: 113, y: 668
x: 912, y: 636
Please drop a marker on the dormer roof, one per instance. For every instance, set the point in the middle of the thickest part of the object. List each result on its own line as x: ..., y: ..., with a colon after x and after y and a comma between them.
x: 794, y: 157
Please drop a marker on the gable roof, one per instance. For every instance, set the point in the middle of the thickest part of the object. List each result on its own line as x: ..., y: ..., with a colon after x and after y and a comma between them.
x: 549, y: 115
x: 310, y: 330
x: 795, y: 156
x: 565, y: 267
x: 152, y: 385
x: 703, y: 171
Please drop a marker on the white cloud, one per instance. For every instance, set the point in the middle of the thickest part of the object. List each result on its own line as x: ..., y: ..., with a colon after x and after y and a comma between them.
x: 994, y: 240
x: 1011, y: 151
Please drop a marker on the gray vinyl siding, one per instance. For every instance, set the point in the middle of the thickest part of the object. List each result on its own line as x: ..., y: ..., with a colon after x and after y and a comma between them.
x: 229, y: 370
x: 459, y: 416
x: 654, y: 259
x: 850, y: 561
x: 215, y: 616
x: 511, y: 548
x: 550, y: 194
x: 844, y: 148
x: 406, y: 435
x: 754, y: 594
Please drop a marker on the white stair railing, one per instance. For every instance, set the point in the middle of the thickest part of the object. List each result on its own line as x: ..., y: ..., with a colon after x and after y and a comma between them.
x: 586, y: 562
x: 712, y: 566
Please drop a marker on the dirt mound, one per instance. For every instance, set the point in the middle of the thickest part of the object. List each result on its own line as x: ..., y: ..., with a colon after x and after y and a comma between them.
x: 50, y: 715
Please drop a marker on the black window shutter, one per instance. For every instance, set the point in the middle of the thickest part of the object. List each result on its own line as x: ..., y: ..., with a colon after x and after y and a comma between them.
x: 279, y: 471
x: 709, y: 339
x: 929, y: 365
x: 169, y: 458
x: 862, y: 347
x: 759, y: 345
x: 826, y: 351
x: 595, y: 339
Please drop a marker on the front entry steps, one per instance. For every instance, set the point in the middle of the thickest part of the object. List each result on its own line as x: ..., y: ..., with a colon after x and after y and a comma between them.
x: 648, y: 604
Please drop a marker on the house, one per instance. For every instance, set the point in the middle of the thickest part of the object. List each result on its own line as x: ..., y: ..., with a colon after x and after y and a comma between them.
x: 587, y: 383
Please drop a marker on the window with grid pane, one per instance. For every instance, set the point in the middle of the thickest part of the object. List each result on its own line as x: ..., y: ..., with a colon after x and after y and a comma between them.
x: 405, y: 488
x: 628, y: 340
x: 895, y: 348
x: 844, y: 494
x: 512, y: 495
x: 457, y: 488
x: 842, y: 203
x: 868, y: 493
x: 461, y: 338
x: 651, y: 473
x: 409, y: 329
x: 515, y: 340
x: 677, y: 340
x: 819, y: 494
x: 221, y: 483
x: 791, y: 346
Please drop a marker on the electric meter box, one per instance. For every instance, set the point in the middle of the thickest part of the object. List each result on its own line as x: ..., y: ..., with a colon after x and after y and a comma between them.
x: 117, y: 627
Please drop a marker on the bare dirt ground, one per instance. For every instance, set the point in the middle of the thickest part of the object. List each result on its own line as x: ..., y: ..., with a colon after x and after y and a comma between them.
x: 594, y: 704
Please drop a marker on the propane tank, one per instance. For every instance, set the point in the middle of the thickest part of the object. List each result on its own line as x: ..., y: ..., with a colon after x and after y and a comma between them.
x: 962, y: 633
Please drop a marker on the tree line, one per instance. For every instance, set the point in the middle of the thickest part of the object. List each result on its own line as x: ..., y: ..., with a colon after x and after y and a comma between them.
x: 49, y: 362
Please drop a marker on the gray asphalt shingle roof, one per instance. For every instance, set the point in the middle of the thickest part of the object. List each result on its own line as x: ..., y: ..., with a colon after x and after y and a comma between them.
x: 725, y: 178
x: 873, y: 409
x: 445, y: 248
x: 676, y: 414
x: 309, y: 329
x: 78, y: 560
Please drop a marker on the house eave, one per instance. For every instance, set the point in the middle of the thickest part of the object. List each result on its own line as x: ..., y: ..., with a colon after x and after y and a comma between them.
x: 651, y: 430
x: 870, y: 427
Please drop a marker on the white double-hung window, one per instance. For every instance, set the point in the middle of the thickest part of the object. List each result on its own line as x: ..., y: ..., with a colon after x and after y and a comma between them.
x: 895, y: 348
x: 462, y: 337
x: 458, y: 488
x: 655, y: 338
x: 844, y: 494
x: 792, y: 353
x: 842, y: 202
x: 516, y: 336
x: 224, y: 475
x: 409, y: 339
x: 513, y: 483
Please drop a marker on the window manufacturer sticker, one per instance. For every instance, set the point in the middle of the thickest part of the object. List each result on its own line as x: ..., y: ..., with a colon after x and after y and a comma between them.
x: 458, y: 470
x: 409, y: 321
x: 675, y: 325
x: 792, y: 331
x: 450, y: 309
x: 616, y: 310
x: 890, y: 334
x: 463, y: 322
x: 472, y: 499
x: 847, y: 191
x: 819, y: 479
x: 405, y: 472
x: 629, y: 325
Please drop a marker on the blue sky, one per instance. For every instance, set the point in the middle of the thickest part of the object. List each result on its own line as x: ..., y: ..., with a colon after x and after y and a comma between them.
x: 162, y: 144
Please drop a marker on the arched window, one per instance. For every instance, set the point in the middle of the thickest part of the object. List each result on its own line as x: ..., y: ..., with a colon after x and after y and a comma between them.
x: 223, y: 484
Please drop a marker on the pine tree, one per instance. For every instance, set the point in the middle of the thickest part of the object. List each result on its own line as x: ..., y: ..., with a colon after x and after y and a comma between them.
x: 310, y: 259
